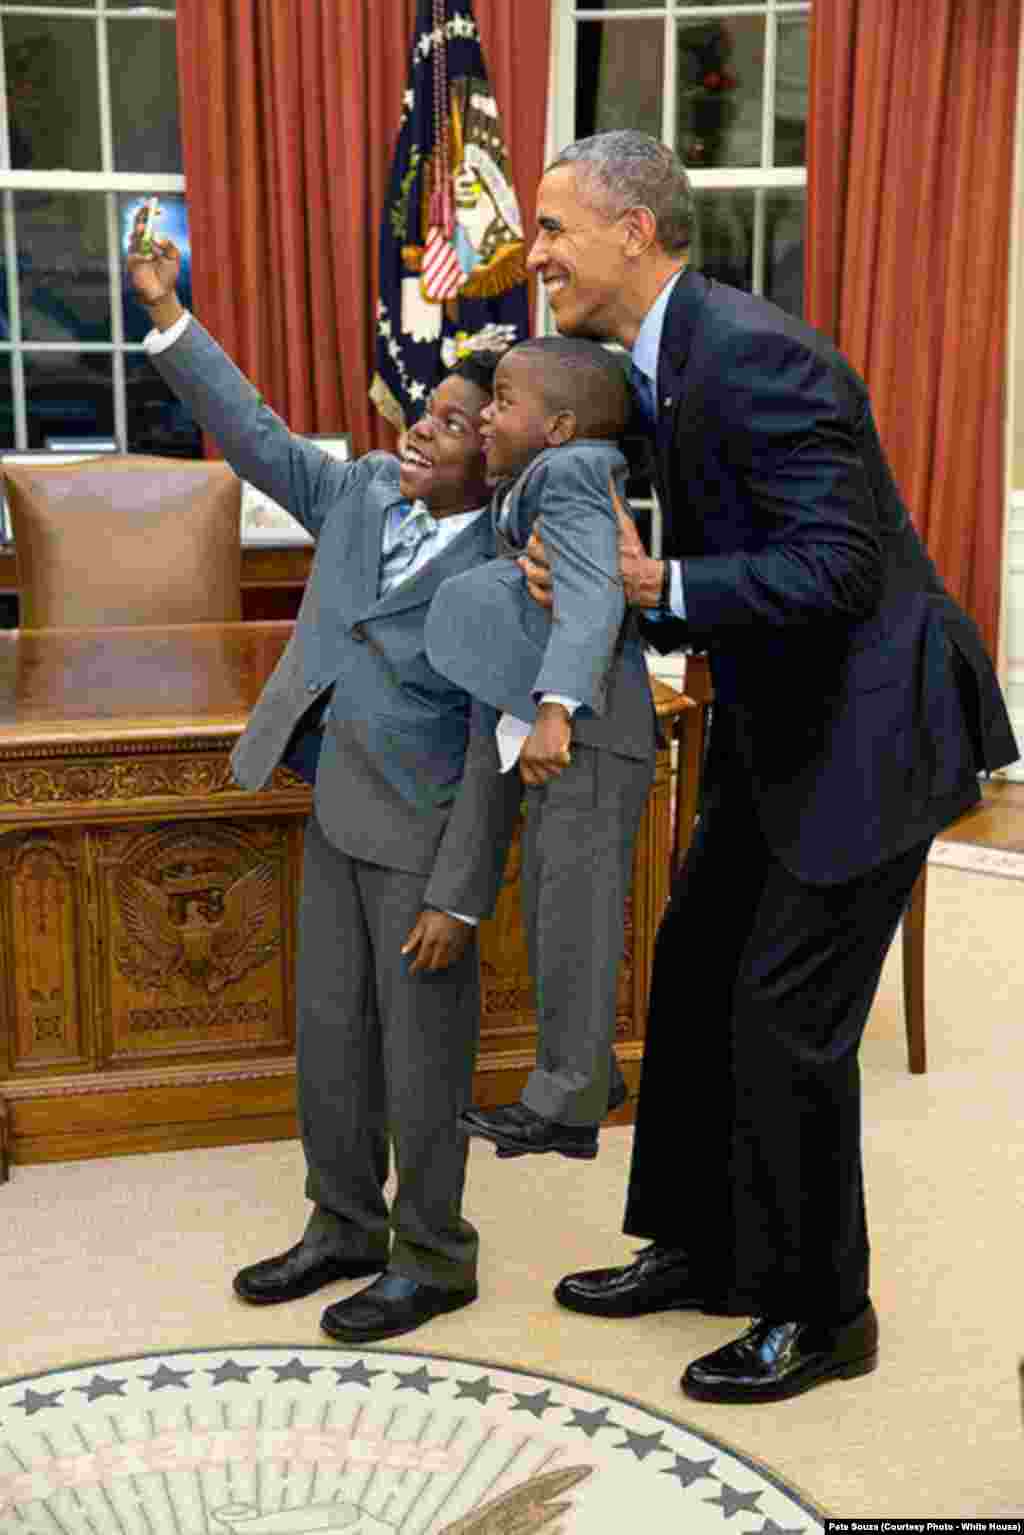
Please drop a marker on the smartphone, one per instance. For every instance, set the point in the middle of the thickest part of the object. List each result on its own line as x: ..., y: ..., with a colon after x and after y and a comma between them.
x: 144, y: 225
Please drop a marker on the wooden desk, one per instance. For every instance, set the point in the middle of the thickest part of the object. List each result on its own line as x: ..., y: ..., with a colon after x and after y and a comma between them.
x: 147, y: 903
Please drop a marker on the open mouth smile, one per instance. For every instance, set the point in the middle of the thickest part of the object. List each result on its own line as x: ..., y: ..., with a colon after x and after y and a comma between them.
x: 412, y: 458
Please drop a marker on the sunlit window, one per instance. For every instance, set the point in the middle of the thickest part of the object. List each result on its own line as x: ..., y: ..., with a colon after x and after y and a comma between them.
x: 88, y: 128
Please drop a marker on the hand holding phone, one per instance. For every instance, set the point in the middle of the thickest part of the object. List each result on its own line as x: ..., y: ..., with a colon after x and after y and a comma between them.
x: 141, y: 243
x: 153, y: 264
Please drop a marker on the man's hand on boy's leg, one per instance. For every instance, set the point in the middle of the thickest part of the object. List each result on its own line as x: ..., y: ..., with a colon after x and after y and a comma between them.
x: 436, y: 941
x: 545, y: 751
x: 534, y: 565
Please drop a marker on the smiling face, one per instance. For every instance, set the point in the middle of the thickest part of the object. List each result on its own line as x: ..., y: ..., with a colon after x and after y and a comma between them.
x: 442, y: 459
x: 580, y: 254
x: 519, y: 423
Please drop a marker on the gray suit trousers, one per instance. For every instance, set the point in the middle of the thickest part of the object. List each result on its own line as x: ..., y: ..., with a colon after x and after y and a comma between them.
x: 577, y: 866
x: 382, y: 1055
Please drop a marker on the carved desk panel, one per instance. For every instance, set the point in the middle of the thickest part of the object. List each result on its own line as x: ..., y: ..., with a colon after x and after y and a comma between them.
x: 148, y: 904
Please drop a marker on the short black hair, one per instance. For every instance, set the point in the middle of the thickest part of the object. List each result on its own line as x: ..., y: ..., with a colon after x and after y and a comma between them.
x: 478, y: 368
x: 584, y: 377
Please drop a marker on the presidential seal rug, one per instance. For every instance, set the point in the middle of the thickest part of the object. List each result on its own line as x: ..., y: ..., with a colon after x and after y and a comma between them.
x: 298, y: 1441
x: 1005, y: 863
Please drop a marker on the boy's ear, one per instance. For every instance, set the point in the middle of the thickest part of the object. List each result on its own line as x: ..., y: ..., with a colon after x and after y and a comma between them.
x: 560, y: 428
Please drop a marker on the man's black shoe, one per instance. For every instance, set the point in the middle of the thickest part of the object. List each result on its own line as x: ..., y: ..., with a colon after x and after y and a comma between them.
x: 389, y: 1306
x: 302, y: 1269
x: 775, y: 1360
x: 518, y: 1129
x: 617, y: 1095
x: 658, y: 1279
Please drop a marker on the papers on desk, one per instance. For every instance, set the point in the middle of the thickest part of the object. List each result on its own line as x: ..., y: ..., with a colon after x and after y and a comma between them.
x: 266, y: 524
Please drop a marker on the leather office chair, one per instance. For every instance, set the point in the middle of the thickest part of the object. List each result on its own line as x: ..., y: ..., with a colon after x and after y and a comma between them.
x: 690, y: 734
x: 126, y: 539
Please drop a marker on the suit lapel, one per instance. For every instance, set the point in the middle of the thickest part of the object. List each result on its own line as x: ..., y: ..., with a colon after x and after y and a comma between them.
x: 373, y: 535
x: 679, y: 399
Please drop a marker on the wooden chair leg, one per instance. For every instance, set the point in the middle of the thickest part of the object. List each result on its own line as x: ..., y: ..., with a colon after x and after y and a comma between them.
x: 913, y: 974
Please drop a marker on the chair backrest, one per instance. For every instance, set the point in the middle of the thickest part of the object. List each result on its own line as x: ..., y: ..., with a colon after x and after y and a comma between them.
x: 126, y: 539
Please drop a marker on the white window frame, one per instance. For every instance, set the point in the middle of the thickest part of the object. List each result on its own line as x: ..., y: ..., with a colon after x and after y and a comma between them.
x: 759, y: 179
x: 762, y: 179
x: 115, y: 183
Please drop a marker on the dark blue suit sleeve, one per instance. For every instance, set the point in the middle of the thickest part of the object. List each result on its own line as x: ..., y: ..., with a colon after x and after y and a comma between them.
x: 807, y: 547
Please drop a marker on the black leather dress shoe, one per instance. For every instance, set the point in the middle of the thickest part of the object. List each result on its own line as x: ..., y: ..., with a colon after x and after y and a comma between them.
x: 617, y: 1095
x: 389, y: 1306
x: 658, y: 1279
x: 302, y: 1269
x: 518, y: 1129
x: 775, y: 1360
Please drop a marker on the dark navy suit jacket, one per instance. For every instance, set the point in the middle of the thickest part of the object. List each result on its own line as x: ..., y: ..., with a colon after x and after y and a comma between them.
x: 856, y: 692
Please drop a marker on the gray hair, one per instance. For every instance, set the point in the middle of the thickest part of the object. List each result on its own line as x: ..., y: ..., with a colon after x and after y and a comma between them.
x: 626, y: 169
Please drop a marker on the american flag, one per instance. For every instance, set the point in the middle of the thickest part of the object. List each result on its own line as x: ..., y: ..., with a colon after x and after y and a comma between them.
x: 441, y: 295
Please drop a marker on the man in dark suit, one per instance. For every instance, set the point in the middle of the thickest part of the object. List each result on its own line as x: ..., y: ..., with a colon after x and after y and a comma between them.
x: 854, y: 709
x: 407, y: 839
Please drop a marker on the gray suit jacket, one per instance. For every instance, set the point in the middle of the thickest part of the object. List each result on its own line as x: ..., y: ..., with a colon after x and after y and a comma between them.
x: 486, y: 633
x: 408, y: 773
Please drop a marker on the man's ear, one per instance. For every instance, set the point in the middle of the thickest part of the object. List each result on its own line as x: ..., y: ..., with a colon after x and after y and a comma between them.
x: 560, y: 428
x: 641, y: 230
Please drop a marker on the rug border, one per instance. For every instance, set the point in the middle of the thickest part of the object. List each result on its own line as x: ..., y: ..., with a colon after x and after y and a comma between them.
x: 976, y: 858
x: 799, y: 1496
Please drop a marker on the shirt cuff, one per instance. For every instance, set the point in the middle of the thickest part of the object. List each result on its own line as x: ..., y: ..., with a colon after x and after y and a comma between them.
x: 676, y: 595
x: 159, y: 340
x: 572, y: 704
x: 470, y: 921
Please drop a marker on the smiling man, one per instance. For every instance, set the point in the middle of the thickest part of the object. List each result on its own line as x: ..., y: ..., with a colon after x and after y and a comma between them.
x: 407, y: 839
x: 854, y: 709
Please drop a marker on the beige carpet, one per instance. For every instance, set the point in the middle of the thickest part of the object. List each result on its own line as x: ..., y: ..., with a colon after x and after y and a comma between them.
x: 130, y: 1255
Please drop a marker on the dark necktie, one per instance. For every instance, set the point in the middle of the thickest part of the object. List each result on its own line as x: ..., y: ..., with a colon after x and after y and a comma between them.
x: 643, y: 394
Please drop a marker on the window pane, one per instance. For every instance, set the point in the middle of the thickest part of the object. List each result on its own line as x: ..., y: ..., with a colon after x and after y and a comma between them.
x: 171, y: 224
x: 63, y: 265
x: 70, y: 394
x: 791, y: 93
x: 53, y: 93
x: 721, y: 91
x: 784, y: 249
x: 157, y: 420
x: 623, y: 5
x: 144, y: 96
x: 6, y: 403
x: 724, y: 242
x: 619, y: 75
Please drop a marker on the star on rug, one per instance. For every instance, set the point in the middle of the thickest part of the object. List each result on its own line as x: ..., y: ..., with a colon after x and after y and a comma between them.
x: 308, y: 1441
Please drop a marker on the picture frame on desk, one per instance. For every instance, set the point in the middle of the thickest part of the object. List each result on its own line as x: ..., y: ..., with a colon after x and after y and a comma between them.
x: 71, y: 451
x: 266, y: 524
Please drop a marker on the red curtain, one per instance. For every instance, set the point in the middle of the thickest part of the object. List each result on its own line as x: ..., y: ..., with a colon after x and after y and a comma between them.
x: 910, y: 169
x: 289, y: 117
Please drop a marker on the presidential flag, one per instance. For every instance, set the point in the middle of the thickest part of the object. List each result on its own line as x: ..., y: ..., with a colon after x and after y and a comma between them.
x: 452, y: 254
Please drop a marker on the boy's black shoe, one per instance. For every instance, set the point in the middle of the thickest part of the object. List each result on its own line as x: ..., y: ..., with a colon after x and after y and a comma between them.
x: 517, y: 1129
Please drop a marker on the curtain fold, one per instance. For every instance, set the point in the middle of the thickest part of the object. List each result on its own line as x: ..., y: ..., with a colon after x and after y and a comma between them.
x: 910, y: 168
x: 289, y: 115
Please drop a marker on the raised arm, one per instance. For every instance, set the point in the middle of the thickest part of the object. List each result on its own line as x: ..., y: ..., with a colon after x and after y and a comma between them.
x: 257, y: 444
